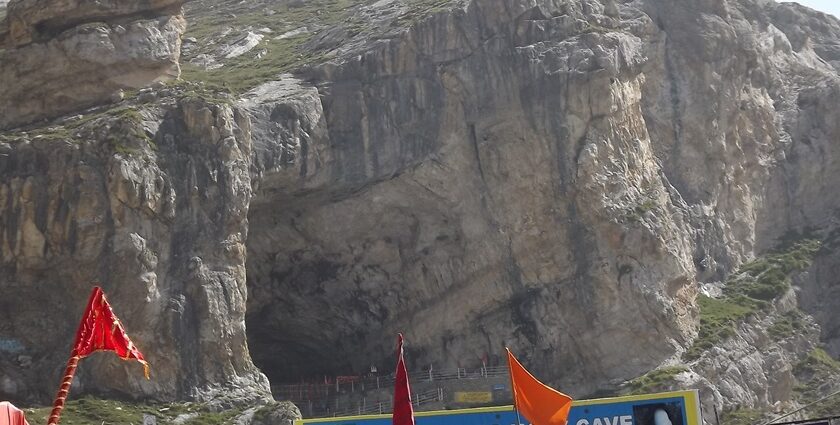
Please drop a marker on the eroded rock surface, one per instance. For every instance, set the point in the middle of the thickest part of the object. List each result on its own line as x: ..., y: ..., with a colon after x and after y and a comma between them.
x: 153, y: 204
x: 63, y: 56
x: 553, y: 177
x: 556, y: 177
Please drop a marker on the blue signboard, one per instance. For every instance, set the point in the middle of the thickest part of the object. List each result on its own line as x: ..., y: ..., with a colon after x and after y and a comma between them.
x: 673, y: 408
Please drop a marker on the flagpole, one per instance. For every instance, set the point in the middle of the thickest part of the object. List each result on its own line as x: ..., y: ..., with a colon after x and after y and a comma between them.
x: 518, y: 419
x: 513, y: 389
x: 64, y: 389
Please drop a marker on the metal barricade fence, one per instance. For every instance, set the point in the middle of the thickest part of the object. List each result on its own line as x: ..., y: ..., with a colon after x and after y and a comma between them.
x: 324, y: 399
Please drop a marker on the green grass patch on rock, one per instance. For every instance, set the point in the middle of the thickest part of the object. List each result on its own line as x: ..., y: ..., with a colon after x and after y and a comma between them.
x: 818, y: 375
x: 718, y: 317
x: 245, y: 72
x: 637, y: 212
x: 278, y: 55
x: 742, y: 417
x: 90, y: 410
x: 751, y: 289
x: 787, y: 325
x: 818, y: 364
x: 768, y: 277
x: 655, y: 380
x: 70, y: 130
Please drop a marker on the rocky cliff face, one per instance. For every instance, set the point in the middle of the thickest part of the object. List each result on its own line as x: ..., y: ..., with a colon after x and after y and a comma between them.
x: 533, y: 176
x: 560, y: 177
x: 152, y: 202
x: 62, y: 56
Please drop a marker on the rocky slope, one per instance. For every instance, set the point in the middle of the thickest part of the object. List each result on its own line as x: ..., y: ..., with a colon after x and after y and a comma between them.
x: 577, y: 180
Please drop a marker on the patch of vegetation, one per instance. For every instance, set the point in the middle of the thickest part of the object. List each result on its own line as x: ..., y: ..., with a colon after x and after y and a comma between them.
x: 49, y: 133
x: 209, y: 93
x: 818, y: 364
x: 637, y: 212
x: 718, y: 317
x: 741, y: 417
x: 325, y: 23
x: 818, y: 374
x: 244, y: 72
x: 70, y: 130
x: 655, y: 380
x: 262, y: 414
x: 89, y: 410
x: 126, y: 135
x: 787, y: 325
x: 95, y: 411
x: 206, y: 26
x: 750, y: 290
x: 768, y: 277
x: 828, y: 407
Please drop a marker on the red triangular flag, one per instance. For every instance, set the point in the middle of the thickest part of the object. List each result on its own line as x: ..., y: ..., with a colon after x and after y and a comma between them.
x: 100, y: 330
x: 403, y: 411
x: 539, y: 403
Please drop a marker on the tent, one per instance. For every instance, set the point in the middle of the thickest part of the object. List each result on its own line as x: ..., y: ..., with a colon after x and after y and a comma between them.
x: 11, y: 415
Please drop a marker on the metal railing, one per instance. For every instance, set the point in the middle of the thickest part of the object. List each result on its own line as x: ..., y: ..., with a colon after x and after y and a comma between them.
x: 364, y: 407
x: 336, y: 398
x: 319, y: 391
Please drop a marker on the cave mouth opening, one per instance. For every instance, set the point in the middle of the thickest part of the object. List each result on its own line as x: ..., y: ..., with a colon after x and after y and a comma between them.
x: 305, y: 322
x: 295, y: 349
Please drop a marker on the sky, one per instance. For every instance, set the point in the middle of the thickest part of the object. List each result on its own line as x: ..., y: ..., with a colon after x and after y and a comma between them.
x: 828, y: 6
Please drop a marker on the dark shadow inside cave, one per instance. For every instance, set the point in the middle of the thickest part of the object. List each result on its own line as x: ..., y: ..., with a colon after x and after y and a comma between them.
x: 307, y: 317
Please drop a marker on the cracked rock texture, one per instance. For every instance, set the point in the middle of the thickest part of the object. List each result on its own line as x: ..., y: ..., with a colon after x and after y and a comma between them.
x: 154, y: 206
x: 556, y: 177
x: 61, y: 56
x: 559, y: 177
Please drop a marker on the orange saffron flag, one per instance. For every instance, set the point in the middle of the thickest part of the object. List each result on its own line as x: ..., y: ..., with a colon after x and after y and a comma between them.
x: 539, y: 403
x: 101, y: 330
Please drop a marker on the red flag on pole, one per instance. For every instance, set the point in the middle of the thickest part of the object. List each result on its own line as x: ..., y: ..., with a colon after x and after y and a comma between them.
x: 99, y: 330
x: 539, y: 403
x: 403, y: 411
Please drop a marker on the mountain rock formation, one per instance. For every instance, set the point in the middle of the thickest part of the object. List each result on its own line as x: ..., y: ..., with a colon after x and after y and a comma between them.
x: 152, y: 202
x: 588, y: 182
x: 554, y: 177
x: 61, y: 56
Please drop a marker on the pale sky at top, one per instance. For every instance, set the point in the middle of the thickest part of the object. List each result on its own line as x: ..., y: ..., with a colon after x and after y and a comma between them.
x: 828, y: 6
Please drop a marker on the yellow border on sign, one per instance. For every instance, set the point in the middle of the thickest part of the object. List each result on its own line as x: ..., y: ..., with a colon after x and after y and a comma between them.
x: 691, y: 397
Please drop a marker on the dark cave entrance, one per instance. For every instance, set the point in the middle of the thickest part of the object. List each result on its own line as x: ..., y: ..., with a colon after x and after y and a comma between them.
x: 305, y: 321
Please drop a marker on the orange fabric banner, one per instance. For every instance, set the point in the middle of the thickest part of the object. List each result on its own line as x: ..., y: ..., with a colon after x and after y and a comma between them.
x: 101, y: 330
x: 539, y: 403
x: 11, y: 415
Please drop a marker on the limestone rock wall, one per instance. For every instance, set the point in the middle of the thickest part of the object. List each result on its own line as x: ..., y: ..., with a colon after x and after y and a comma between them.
x: 57, y: 56
x: 153, y: 205
x: 556, y: 177
x: 559, y: 177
